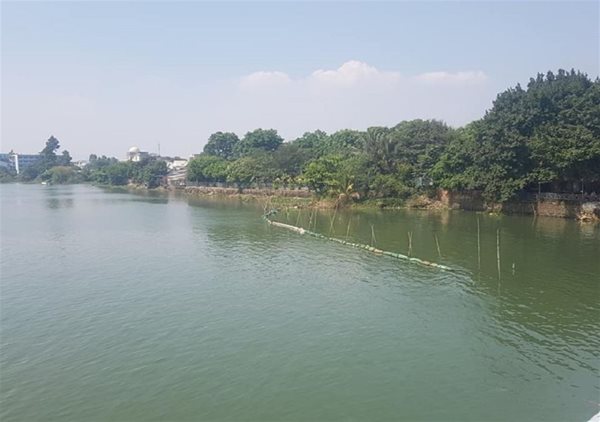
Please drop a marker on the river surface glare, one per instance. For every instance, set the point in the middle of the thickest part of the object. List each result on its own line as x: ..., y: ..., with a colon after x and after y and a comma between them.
x: 126, y: 307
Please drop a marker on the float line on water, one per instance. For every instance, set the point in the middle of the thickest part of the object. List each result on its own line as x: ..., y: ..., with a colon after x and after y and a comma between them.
x: 369, y: 248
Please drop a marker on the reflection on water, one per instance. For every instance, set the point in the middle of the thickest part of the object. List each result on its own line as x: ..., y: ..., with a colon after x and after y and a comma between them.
x: 55, y: 203
x: 58, y: 197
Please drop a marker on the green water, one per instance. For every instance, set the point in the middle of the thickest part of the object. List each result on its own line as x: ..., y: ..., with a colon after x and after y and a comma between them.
x: 133, y: 308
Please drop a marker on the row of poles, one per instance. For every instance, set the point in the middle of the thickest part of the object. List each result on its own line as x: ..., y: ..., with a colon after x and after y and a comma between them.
x: 410, y: 237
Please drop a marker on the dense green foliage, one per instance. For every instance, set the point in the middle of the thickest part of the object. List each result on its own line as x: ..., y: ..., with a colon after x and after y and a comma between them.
x: 110, y: 171
x: 222, y: 145
x: 61, y: 175
x: 547, y: 135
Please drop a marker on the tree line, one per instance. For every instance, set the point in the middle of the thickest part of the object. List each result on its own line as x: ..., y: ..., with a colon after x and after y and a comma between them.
x: 58, y: 169
x: 545, y: 136
x: 148, y: 172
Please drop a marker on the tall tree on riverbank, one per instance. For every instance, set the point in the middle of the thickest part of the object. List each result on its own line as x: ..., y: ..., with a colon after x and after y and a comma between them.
x: 549, y: 132
x: 258, y: 140
x: 222, y: 145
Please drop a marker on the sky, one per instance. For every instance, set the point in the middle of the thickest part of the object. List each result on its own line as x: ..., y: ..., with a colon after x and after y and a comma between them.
x: 105, y: 76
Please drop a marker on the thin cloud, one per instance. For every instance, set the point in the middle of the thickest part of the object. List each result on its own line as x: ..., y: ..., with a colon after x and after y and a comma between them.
x: 457, y: 77
x: 354, y: 72
x: 264, y: 79
x: 355, y: 95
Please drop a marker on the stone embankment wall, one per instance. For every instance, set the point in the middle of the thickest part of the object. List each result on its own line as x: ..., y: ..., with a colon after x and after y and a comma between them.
x: 563, y: 206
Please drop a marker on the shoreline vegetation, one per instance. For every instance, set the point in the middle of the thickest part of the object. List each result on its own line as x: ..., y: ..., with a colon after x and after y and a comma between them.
x: 543, y: 139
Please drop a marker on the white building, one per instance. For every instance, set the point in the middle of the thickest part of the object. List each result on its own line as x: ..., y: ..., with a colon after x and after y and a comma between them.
x: 17, y: 162
x: 135, y: 154
x: 177, y: 164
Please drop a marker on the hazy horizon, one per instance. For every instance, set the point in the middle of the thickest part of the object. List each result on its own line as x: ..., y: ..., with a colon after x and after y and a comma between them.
x: 102, y: 77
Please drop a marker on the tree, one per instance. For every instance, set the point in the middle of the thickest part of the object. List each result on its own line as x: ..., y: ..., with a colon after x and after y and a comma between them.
x: 258, y: 140
x: 49, y: 152
x: 344, y: 142
x: 118, y: 173
x: 207, y: 168
x: 243, y: 171
x: 455, y: 169
x: 290, y: 158
x: 420, y: 143
x: 64, y: 159
x: 257, y: 168
x: 313, y: 143
x: 322, y: 175
x: 222, y: 144
x: 548, y: 132
x: 153, y: 173
x: 379, y: 148
x: 61, y: 175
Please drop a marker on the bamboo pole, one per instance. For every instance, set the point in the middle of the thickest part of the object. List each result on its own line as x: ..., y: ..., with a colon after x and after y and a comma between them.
x: 409, y: 243
x: 478, y: 245
x: 437, y: 244
x: 310, y: 219
x: 332, y: 221
x: 348, y: 229
x: 373, y: 240
x: 298, y: 219
x: 498, y: 251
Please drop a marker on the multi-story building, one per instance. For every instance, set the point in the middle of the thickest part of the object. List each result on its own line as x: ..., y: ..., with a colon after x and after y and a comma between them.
x: 17, y: 162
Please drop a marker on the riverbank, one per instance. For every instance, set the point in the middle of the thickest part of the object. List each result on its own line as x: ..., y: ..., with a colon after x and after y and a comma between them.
x: 558, y: 207
x: 550, y: 205
x: 570, y: 206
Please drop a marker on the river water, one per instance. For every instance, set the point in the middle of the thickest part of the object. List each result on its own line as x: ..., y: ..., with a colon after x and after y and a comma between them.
x: 128, y: 307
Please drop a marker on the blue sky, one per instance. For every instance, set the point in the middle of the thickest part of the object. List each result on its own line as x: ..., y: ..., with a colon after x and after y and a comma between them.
x: 102, y: 76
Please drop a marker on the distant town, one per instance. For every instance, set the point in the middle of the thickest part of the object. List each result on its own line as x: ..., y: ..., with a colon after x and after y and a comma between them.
x: 15, y: 163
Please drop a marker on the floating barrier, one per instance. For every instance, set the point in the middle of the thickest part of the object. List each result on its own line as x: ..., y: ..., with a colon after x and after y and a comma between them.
x: 369, y: 248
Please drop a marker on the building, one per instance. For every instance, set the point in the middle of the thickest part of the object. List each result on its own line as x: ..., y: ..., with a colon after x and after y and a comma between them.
x: 5, y: 161
x: 176, y: 163
x: 17, y: 162
x: 135, y: 154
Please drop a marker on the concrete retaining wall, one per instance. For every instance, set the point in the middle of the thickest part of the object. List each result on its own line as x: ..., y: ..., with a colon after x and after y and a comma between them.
x: 562, y: 208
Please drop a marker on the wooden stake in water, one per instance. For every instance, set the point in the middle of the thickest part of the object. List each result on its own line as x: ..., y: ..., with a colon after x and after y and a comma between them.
x: 373, y: 240
x: 332, y: 222
x: 348, y: 228
x: 437, y: 244
x: 409, y: 243
x: 498, y: 251
x: 310, y: 219
x: 298, y: 219
x: 478, y: 245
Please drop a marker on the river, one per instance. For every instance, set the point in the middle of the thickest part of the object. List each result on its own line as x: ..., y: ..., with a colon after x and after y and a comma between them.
x: 126, y: 307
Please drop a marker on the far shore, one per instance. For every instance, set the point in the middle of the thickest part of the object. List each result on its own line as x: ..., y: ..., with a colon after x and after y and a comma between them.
x: 585, y: 211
